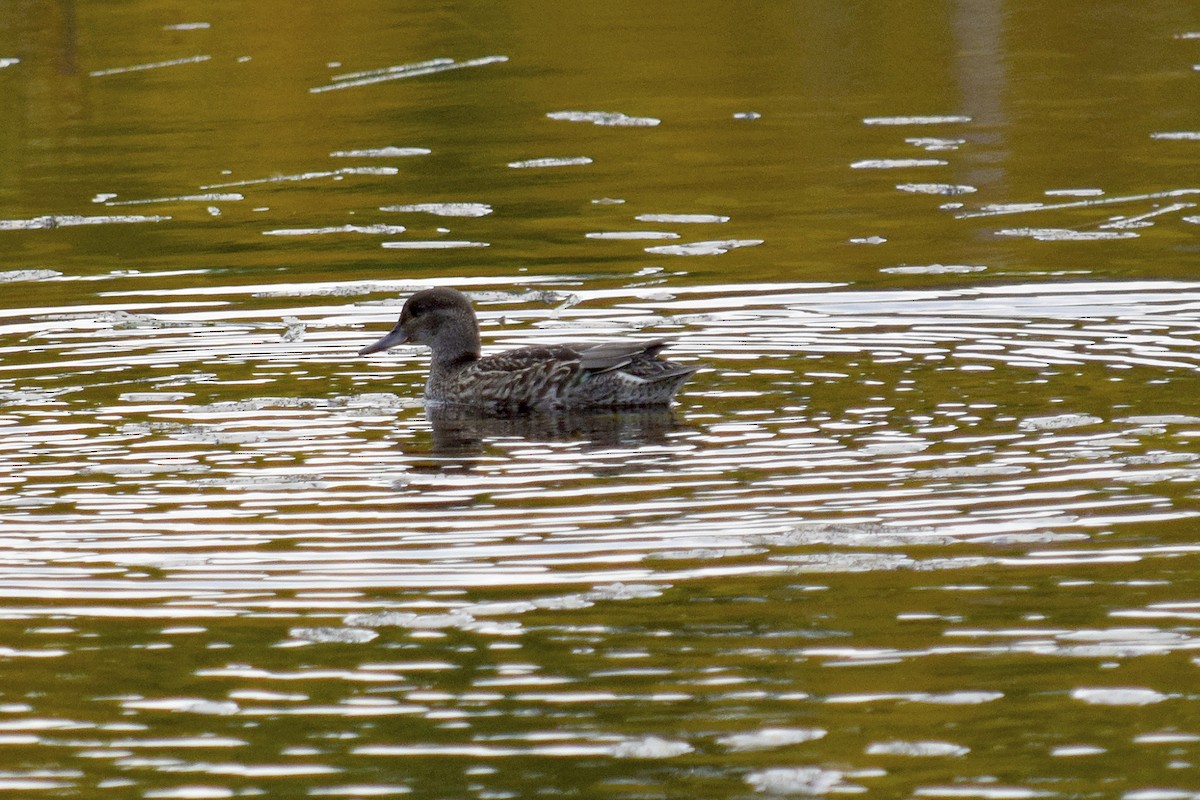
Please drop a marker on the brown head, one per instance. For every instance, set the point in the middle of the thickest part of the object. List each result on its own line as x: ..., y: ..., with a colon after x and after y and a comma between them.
x: 441, y: 319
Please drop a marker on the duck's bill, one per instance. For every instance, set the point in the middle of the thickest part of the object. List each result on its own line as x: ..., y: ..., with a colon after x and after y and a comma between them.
x: 394, y: 337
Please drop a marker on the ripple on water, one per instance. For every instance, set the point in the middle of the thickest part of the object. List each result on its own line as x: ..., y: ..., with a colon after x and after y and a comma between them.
x: 165, y: 490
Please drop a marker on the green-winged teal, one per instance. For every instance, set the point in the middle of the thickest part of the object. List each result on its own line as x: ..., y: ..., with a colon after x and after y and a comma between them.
x: 553, y: 377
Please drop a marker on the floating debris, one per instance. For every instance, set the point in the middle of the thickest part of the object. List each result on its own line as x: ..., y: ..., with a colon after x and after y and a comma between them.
x: 1065, y: 234
x: 444, y: 209
x: 681, y: 219
x: 606, y: 118
x: 187, y: 26
x: 387, y: 230
x: 1073, y: 192
x: 70, y: 220
x: 226, y: 197
x: 8, y: 62
x: 382, y: 152
x: 918, y: 120
x: 404, y: 71
x: 868, y: 240
x: 432, y: 245
x: 308, y: 176
x: 936, y: 188
x: 607, y: 201
x: 156, y: 65
x: 747, y: 115
x: 713, y: 248
x: 540, y: 163
x: 897, y: 163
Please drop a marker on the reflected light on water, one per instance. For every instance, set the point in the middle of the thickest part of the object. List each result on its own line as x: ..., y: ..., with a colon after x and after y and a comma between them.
x: 921, y: 525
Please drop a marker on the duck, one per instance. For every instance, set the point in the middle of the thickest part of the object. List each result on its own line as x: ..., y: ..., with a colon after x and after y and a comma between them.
x: 609, y: 375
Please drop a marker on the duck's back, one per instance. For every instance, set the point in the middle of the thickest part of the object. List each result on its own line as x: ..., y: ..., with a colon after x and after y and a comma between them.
x: 607, y: 375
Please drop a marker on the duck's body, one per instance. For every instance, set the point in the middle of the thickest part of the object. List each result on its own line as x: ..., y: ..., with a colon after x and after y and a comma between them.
x: 559, y: 377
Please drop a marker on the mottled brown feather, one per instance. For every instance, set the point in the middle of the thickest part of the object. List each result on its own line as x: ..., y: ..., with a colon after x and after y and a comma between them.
x: 618, y: 374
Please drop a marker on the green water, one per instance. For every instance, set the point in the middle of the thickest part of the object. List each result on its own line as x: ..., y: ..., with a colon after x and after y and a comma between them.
x: 922, y: 525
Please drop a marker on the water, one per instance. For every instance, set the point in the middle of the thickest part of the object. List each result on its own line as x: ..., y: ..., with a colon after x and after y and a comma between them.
x: 923, y: 524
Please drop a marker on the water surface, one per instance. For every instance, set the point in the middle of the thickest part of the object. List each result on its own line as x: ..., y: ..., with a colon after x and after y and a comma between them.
x: 923, y: 524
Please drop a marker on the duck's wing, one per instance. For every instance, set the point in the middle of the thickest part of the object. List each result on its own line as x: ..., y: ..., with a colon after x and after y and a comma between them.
x: 607, y: 356
x: 516, y: 380
x: 536, y: 358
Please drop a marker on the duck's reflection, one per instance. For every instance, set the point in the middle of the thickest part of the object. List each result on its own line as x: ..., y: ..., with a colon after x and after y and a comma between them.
x: 462, y: 433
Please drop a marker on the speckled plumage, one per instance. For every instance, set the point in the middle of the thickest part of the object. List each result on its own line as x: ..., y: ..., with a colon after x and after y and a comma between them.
x: 625, y: 374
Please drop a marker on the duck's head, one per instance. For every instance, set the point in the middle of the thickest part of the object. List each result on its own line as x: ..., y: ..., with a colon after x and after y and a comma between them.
x: 441, y: 319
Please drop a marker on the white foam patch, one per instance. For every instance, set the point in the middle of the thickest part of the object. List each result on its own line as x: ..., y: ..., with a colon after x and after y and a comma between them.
x: 1059, y: 422
x: 71, y: 220
x: 897, y: 163
x: 800, y: 780
x: 919, y: 749
x: 1177, y: 136
x: 438, y: 244
x: 632, y: 235
x: 770, y: 738
x: 382, y: 152
x: 1065, y: 234
x: 1118, y: 696
x: 219, y: 197
x: 937, y: 188
x: 709, y: 248
x: 333, y: 635
x: 443, y: 209
x: 682, y: 219
x: 933, y: 269
x: 12, y: 276
x: 388, y: 230
x: 544, y: 163
x: 946, y: 119
x: 605, y: 118
x: 651, y: 747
